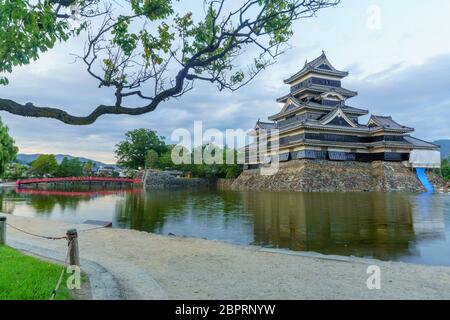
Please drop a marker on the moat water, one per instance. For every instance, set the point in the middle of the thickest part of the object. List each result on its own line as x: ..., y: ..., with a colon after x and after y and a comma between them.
x: 395, y: 226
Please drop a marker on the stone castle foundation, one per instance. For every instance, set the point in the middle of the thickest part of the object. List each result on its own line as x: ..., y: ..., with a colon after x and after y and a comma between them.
x: 329, y: 176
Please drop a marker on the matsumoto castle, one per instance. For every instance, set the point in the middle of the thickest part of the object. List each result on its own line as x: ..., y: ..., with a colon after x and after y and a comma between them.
x: 317, y: 122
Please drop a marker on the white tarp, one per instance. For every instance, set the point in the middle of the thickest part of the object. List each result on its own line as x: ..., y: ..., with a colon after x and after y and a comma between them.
x: 425, y: 158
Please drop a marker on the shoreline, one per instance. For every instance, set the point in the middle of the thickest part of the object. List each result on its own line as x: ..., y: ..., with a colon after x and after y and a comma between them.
x: 151, y: 266
x: 268, y: 249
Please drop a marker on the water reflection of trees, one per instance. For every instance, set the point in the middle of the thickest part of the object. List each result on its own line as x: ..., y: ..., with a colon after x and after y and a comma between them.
x: 6, y: 206
x: 150, y: 210
x: 378, y: 225
x: 44, y: 203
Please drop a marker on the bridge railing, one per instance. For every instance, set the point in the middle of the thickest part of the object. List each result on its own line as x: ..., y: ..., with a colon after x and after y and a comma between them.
x: 71, y: 179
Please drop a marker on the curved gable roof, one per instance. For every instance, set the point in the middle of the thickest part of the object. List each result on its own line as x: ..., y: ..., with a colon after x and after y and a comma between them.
x: 386, y: 122
x: 337, y: 113
x: 320, y: 65
x: 265, y: 125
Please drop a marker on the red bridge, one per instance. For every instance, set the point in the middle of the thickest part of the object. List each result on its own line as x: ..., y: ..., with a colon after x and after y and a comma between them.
x: 77, y: 179
x: 75, y: 193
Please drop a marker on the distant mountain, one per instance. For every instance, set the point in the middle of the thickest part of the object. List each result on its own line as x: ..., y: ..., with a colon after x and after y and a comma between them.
x: 445, y: 148
x: 27, y: 158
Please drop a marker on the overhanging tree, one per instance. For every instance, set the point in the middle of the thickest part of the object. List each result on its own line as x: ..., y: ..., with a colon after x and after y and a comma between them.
x: 149, y: 50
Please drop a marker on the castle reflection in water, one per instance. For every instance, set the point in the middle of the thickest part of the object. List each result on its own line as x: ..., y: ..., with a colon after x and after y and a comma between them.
x: 372, y: 225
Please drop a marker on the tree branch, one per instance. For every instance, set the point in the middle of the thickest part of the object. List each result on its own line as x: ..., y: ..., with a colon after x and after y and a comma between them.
x: 127, y: 60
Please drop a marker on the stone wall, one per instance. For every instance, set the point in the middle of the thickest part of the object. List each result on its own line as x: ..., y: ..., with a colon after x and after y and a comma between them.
x: 328, y: 176
x: 436, y: 180
x: 162, y: 180
x: 225, y: 184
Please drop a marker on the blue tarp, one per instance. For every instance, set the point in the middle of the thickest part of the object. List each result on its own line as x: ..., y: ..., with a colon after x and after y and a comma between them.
x: 421, y: 175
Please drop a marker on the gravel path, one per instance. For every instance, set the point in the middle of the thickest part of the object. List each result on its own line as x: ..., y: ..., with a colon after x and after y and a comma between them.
x: 149, y: 266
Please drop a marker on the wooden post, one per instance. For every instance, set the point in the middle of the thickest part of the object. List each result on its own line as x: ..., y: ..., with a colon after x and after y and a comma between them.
x: 2, y: 230
x: 74, y: 255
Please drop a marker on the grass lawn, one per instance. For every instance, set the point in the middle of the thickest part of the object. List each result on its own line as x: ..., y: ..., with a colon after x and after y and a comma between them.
x: 26, y: 278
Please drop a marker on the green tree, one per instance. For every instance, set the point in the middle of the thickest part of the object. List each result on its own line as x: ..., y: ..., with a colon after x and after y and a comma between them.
x: 220, y: 169
x: 445, y: 169
x: 165, y: 159
x: 87, y: 168
x: 15, y: 171
x: 131, y: 153
x: 63, y: 168
x: 44, y: 165
x: 152, y: 159
x: 75, y: 167
x: 115, y: 174
x: 232, y: 170
x: 70, y: 168
x: 125, y: 56
x: 8, y: 150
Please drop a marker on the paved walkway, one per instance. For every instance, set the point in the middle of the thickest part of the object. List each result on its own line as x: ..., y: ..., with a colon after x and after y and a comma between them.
x: 149, y: 266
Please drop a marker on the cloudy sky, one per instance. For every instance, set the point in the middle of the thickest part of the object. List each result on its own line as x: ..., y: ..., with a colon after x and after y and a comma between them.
x: 397, y: 53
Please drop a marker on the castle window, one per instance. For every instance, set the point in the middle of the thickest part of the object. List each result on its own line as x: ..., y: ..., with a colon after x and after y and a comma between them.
x: 284, y: 157
x: 331, y: 103
x: 337, y: 156
x: 326, y: 82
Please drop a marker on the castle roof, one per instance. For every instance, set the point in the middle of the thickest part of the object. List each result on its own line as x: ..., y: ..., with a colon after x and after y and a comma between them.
x: 325, y: 123
x: 298, y: 105
x: 319, y: 65
x: 265, y: 125
x: 418, y: 143
x: 317, y: 88
x: 346, y: 108
x: 337, y: 113
x: 386, y: 122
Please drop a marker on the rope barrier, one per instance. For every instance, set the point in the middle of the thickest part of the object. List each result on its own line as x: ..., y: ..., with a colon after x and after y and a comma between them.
x: 69, y: 248
x: 35, y: 235
x: 47, y: 237
x: 63, y: 270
